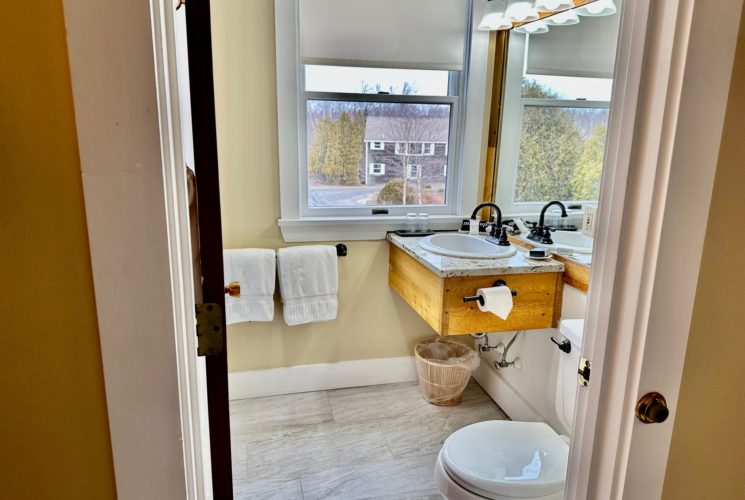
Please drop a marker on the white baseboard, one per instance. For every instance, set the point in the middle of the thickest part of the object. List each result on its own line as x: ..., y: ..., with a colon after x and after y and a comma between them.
x: 321, y: 377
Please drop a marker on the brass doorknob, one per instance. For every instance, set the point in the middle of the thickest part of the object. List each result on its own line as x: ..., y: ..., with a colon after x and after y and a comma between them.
x: 652, y: 408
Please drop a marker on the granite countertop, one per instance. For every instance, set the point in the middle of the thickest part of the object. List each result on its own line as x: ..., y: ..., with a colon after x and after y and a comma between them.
x: 446, y: 267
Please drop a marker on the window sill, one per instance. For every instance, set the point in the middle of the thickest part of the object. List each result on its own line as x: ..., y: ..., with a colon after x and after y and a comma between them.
x: 354, y: 228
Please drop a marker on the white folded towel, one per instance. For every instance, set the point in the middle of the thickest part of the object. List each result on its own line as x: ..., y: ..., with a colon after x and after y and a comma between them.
x: 255, y: 269
x: 308, y: 282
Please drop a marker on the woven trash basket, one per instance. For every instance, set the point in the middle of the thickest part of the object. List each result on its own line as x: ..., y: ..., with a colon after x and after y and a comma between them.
x: 444, y: 368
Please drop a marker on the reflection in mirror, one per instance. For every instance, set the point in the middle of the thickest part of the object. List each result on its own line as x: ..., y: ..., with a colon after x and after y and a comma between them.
x: 556, y: 100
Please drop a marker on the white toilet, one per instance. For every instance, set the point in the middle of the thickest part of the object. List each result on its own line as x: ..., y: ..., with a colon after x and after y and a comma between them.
x: 507, y: 460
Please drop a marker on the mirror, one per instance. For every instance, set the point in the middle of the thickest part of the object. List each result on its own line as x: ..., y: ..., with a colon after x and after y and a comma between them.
x: 556, y: 98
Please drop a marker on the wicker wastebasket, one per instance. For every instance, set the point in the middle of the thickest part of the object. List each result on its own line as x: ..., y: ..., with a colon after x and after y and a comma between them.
x: 444, y: 368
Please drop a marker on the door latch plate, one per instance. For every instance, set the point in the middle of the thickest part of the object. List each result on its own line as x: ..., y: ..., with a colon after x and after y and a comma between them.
x: 209, y: 329
x: 583, y: 373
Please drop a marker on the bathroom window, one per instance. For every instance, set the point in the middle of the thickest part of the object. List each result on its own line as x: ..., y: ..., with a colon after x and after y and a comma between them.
x: 356, y: 106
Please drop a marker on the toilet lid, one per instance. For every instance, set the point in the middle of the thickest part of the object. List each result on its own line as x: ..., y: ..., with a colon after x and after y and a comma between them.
x: 513, y: 459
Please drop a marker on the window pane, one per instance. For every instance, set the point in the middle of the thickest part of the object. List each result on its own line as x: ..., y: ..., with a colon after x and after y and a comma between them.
x: 567, y: 87
x: 561, y: 154
x: 370, y: 153
x: 374, y: 80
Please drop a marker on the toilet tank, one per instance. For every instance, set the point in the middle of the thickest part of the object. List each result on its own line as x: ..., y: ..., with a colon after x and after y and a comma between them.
x: 566, y: 382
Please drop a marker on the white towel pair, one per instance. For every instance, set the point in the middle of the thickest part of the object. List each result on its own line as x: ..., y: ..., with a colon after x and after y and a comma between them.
x: 308, y: 282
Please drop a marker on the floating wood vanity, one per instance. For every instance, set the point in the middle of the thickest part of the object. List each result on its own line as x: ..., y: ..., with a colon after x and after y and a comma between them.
x: 577, y: 272
x: 434, y: 286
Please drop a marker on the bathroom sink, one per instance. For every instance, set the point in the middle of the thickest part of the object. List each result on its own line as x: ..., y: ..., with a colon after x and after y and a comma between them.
x: 570, y: 241
x: 465, y: 246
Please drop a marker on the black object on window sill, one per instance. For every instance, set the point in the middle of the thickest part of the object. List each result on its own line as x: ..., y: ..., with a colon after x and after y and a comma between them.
x: 408, y: 234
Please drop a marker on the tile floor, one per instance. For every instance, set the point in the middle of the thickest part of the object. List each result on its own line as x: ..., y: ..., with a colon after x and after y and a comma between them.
x: 377, y: 442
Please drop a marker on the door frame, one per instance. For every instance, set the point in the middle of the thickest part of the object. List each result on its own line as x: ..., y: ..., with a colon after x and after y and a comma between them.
x: 596, y: 465
x: 665, y: 156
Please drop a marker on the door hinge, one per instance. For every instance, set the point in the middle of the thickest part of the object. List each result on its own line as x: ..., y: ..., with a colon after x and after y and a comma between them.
x: 209, y: 329
x: 583, y: 373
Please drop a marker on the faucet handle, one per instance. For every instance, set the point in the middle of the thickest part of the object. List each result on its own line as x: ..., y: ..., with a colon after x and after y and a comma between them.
x: 492, y: 229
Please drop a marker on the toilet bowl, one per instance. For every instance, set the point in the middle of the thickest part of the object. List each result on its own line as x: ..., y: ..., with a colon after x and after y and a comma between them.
x: 508, y: 460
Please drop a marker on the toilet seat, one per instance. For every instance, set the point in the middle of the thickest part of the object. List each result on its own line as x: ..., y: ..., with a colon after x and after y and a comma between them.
x: 501, y: 460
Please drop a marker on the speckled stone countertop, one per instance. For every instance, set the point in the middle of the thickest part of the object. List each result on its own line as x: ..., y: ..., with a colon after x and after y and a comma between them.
x: 446, y: 267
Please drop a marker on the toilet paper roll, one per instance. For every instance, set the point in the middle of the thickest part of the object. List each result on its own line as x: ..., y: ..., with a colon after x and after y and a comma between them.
x: 497, y: 300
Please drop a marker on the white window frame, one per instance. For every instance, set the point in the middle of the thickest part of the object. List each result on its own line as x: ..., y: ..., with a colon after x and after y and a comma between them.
x: 509, y: 148
x: 372, y: 171
x: 428, y: 149
x: 410, y: 168
x: 467, y: 132
x: 373, y: 146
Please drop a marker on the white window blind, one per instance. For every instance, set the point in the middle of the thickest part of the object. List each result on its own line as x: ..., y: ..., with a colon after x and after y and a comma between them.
x: 587, y: 49
x: 418, y: 34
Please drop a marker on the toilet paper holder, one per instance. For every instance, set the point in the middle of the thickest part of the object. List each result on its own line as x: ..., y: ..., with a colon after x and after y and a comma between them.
x: 480, y: 300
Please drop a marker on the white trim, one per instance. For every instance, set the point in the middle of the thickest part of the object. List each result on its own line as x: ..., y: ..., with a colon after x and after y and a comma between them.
x: 321, y: 377
x: 373, y: 146
x: 169, y: 28
x: 661, y: 158
x: 130, y: 153
x: 372, y: 227
x: 373, y: 166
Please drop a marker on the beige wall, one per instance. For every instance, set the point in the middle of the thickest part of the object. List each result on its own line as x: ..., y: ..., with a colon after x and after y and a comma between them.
x: 54, y: 437
x: 373, y: 322
x: 707, y: 455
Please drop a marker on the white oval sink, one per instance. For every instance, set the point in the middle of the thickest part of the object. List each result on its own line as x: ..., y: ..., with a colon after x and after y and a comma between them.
x: 572, y: 241
x: 466, y: 246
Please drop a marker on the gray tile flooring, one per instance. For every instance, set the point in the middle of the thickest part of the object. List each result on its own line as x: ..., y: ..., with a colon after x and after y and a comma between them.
x: 377, y: 442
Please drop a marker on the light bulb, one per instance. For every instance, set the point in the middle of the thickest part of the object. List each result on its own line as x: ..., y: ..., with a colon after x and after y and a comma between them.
x: 566, y: 18
x: 534, y: 28
x: 493, y: 18
x: 553, y: 5
x: 521, y: 11
x: 598, y: 8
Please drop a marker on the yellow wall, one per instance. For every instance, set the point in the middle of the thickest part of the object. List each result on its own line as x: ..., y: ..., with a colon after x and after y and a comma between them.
x: 54, y: 438
x: 372, y: 322
x: 707, y: 455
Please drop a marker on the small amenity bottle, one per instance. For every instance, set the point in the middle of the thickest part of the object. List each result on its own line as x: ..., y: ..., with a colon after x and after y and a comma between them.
x: 473, y: 227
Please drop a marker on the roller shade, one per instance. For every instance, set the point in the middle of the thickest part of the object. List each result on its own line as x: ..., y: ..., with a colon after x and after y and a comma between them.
x: 416, y: 34
x: 587, y: 49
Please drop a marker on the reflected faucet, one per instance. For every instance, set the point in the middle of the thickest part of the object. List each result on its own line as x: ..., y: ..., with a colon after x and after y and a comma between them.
x: 498, y: 225
x: 541, y: 233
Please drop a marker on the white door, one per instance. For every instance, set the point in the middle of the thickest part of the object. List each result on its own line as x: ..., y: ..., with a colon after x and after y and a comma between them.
x: 672, y: 80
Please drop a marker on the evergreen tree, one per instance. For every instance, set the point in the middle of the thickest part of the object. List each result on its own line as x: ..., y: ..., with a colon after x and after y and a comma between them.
x: 319, y: 145
x: 550, y: 149
x: 586, y: 180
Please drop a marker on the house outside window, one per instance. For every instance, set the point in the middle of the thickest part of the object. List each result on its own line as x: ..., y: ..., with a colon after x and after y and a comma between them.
x: 428, y: 149
x: 377, y: 145
x: 413, y: 170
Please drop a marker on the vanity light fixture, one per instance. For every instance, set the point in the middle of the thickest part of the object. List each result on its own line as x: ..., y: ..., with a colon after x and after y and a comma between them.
x: 521, y: 11
x: 534, y: 28
x: 494, y: 18
x: 598, y: 8
x: 566, y: 18
x: 553, y: 5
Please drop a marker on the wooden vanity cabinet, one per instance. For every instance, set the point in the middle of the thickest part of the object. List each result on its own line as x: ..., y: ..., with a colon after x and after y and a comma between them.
x: 439, y: 300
